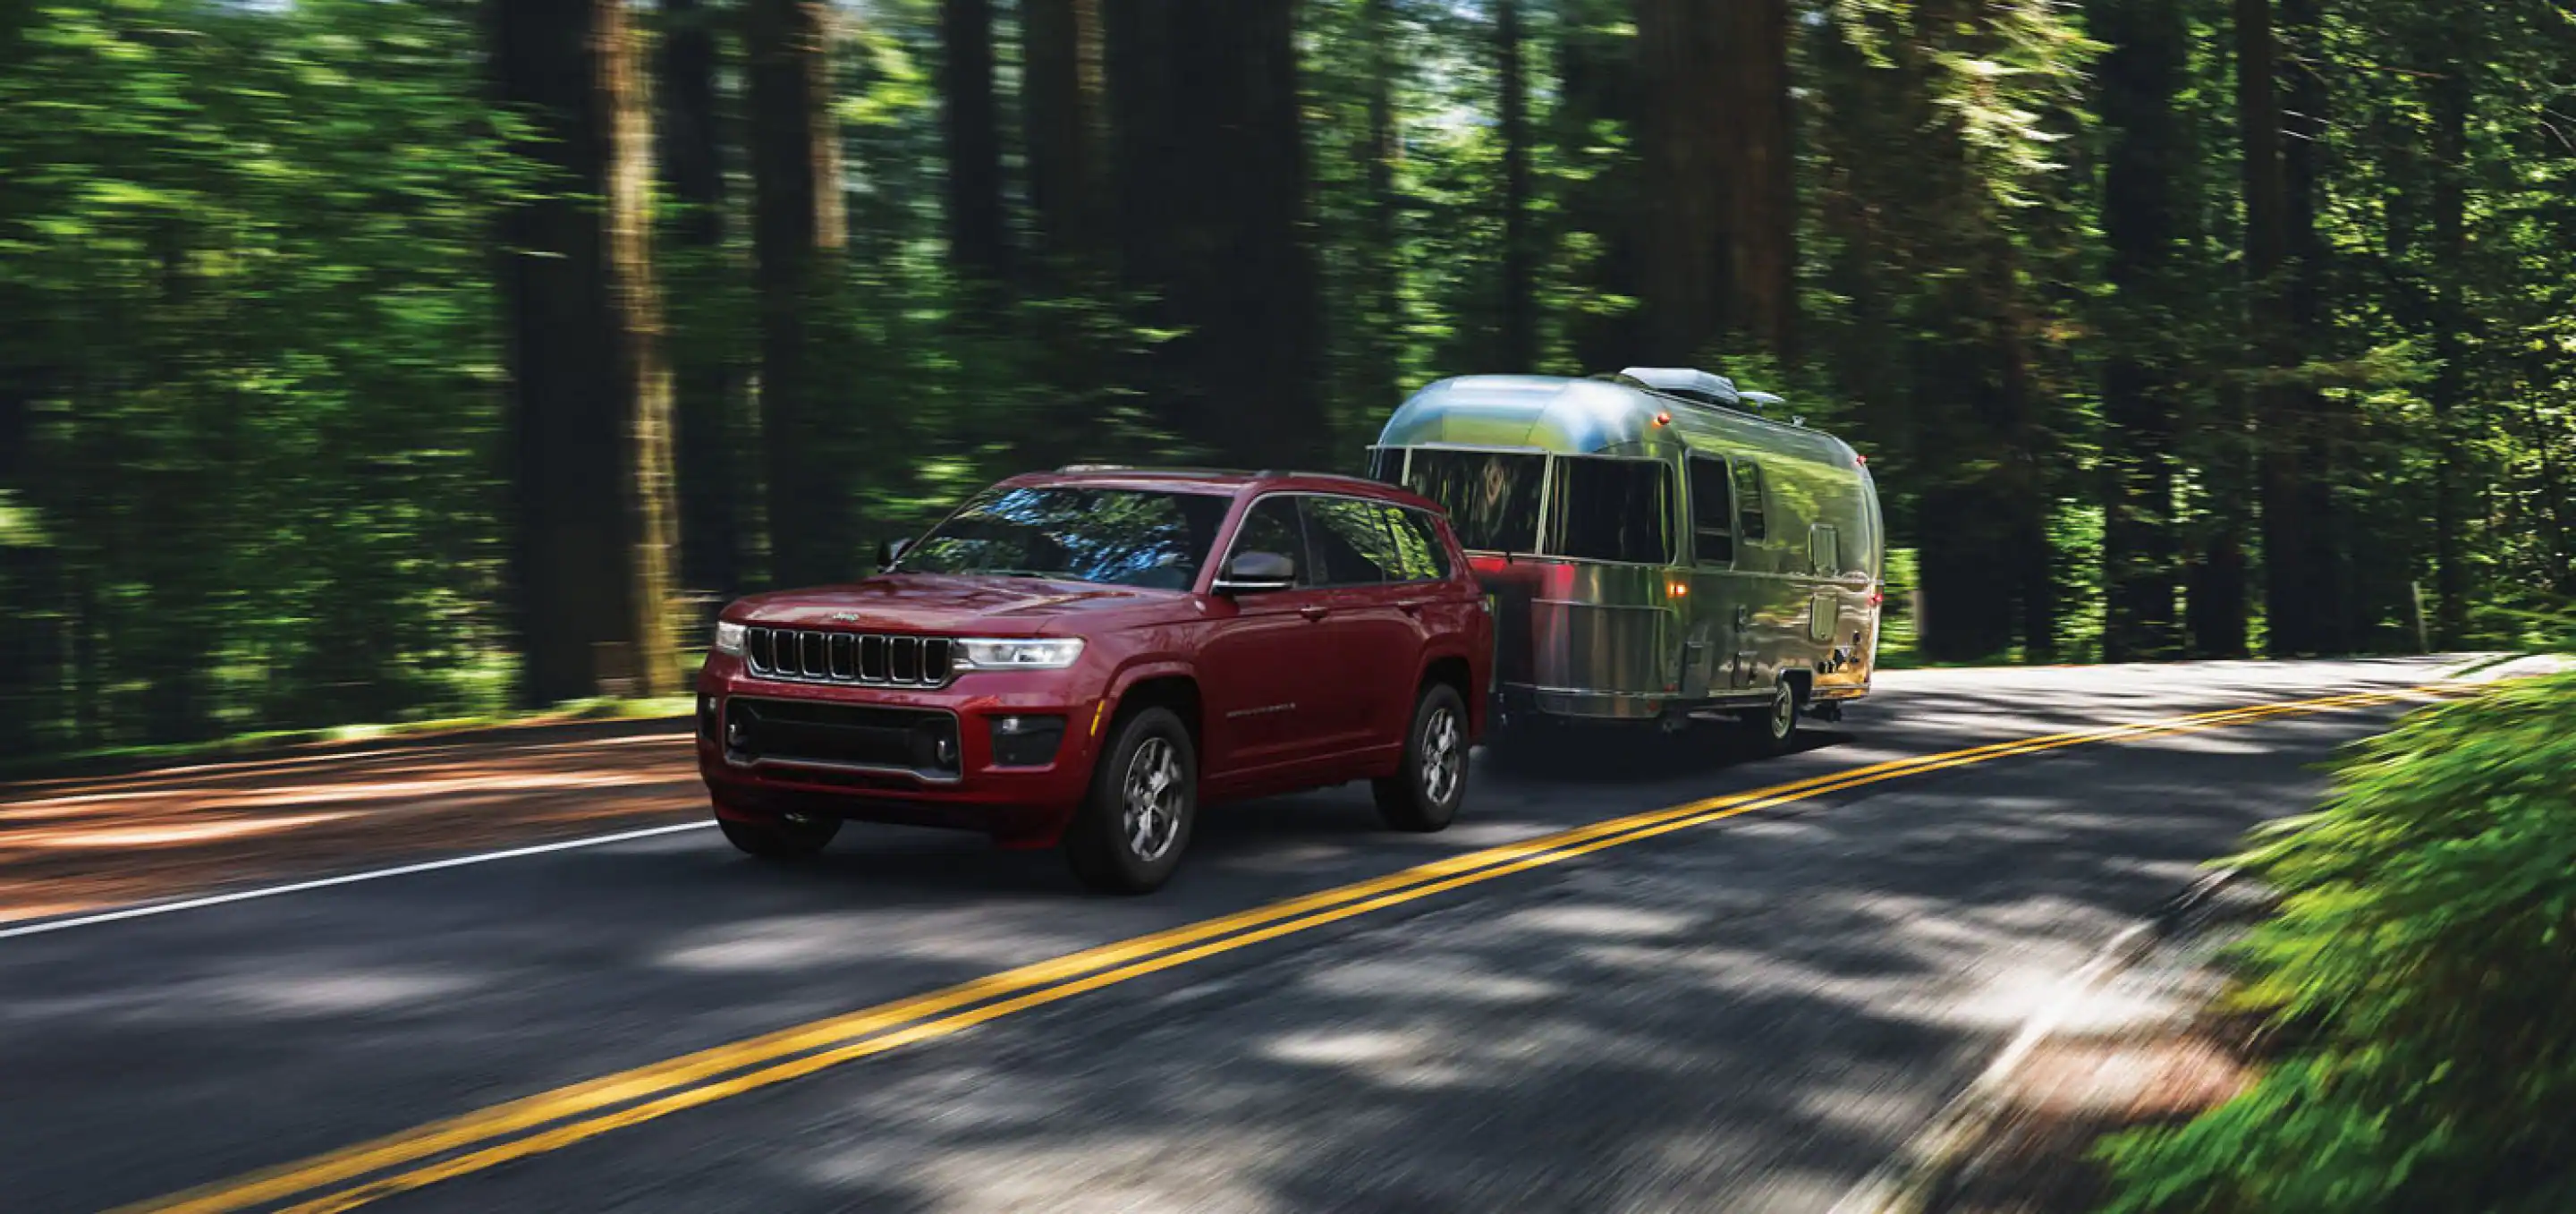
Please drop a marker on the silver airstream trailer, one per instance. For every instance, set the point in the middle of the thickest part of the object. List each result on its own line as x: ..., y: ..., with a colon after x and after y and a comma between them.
x: 1652, y: 546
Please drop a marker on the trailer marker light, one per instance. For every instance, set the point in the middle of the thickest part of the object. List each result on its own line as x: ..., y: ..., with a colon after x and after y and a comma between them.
x: 1663, y: 419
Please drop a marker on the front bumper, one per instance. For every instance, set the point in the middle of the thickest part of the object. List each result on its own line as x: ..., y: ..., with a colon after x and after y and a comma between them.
x: 964, y: 756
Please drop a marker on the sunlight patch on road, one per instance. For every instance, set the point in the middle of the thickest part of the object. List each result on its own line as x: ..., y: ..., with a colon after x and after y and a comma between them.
x: 790, y: 942
x: 341, y: 993
x: 1445, y: 978
x: 1384, y: 1057
x: 173, y: 834
x: 1620, y: 922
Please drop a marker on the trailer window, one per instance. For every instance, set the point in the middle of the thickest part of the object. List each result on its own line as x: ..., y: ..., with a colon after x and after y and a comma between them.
x: 1492, y: 497
x: 1749, y: 521
x: 1712, y: 511
x: 1386, y: 464
x: 1612, y: 510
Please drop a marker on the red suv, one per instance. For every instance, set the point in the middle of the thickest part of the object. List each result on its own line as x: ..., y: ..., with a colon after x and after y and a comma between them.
x: 1087, y: 656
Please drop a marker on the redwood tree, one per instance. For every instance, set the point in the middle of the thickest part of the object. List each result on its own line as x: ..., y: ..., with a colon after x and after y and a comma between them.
x: 797, y: 234
x: 589, y: 396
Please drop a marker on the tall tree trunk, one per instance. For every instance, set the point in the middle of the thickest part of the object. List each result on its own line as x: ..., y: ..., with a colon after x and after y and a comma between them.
x: 1212, y: 184
x: 703, y: 381
x: 2139, y: 76
x: 1060, y: 114
x: 2318, y: 546
x: 589, y: 405
x: 1520, y: 289
x: 1762, y: 163
x: 1597, y: 82
x: 1382, y: 271
x: 651, y: 520
x: 30, y: 648
x: 2451, y: 100
x: 2216, y: 590
x: 971, y: 128
x: 796, y: 234
x: 2292, y: 599
x: 1686, y: 272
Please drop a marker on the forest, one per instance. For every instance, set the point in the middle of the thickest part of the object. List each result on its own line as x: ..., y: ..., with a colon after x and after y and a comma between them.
x: 370, y: 360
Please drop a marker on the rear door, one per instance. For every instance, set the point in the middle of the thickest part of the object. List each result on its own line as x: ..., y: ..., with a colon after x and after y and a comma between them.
x: 1264, y: 673
x: 1448, y: 612
x: 1377, y: 642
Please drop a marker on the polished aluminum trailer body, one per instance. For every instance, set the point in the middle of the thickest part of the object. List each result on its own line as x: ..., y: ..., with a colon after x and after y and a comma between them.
x: 1650, y: 552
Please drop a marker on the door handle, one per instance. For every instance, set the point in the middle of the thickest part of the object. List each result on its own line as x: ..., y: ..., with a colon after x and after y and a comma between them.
x: 1411, y: 606
x: 1314, y: 613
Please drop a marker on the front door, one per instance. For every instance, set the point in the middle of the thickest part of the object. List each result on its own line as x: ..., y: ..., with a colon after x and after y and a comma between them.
x: 1264, y: 675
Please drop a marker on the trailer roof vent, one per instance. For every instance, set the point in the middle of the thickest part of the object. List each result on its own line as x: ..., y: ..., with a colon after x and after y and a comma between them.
x: 1689, y: 384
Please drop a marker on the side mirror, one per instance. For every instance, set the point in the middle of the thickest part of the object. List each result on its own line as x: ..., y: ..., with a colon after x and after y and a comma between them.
x: 889, y: 553
x: 1257, y: 573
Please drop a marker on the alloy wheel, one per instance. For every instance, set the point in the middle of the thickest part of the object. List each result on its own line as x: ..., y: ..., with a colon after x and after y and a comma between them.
x: 1151, y: 799
x: 1444, y: 756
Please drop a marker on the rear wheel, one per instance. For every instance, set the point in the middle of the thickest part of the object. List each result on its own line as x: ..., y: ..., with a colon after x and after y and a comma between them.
x: 1132, y: 828
x: 1776, y: 723
x: 786, y: 837
x: 1424, y: 795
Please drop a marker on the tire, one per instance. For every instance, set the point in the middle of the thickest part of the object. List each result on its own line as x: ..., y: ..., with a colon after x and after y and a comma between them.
x: 1425, y: 793
x: 1133, y: 826
x: 783, y: 838
x: 1775, y: 725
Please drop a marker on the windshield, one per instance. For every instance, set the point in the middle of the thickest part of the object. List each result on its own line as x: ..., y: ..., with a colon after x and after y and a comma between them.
x: 1612, y: 510
x: 1118, y: 537
x: 1492, y: 497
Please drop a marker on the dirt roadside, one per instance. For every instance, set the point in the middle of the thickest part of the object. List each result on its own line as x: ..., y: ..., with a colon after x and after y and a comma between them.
x: 68, y: 846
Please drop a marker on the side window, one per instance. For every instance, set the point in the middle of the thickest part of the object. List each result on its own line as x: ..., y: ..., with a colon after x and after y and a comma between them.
x: 1712, y: 510
x: 1748, y: 502
x: 1419, y: 554
x: 1824, y: 547
x: 1273, y: 526
x: 1350, y: 541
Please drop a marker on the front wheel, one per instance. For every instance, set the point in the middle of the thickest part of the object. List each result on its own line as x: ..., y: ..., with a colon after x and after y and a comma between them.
x: 786, y: 837
x: 1132, y: 828
x: 1777, y: 721
x: 1424, y: 794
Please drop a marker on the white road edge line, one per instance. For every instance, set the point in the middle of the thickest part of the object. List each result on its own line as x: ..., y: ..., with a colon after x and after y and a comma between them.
x: 163, y: 908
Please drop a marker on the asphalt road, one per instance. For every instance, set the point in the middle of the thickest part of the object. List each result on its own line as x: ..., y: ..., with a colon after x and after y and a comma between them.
x: 1744, y: 1013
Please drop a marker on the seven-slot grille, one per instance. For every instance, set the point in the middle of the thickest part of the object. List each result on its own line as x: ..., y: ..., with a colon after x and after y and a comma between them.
x: 870, y: 658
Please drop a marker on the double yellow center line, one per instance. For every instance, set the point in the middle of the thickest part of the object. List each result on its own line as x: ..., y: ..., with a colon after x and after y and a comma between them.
x: 443, y: 1150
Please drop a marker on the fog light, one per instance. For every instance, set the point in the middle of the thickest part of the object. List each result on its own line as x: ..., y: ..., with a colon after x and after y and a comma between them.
x: 1026, y: 741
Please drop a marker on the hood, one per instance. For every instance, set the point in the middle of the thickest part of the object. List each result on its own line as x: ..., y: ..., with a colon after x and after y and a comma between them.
x: 921, y: 602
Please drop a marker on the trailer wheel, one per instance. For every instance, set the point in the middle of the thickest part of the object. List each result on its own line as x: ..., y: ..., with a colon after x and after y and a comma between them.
x: 1776, y: 722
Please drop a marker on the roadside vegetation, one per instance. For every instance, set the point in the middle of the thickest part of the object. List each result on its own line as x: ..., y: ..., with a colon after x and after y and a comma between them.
x: 2415, y: 986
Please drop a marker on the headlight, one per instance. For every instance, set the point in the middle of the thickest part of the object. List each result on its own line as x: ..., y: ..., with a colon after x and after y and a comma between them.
x: 1024, y: 653
x: 729, y: 636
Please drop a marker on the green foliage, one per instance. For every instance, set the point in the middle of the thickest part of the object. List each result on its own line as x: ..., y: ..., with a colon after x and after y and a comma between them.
x: 244, y: 263
x: 250, y: 351
x: 2417, y: 975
